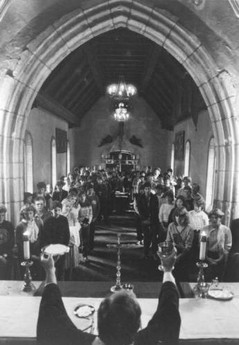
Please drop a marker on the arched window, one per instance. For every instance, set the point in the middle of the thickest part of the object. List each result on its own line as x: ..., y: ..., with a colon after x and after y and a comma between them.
x: 68, y: 158
x: 28, y: 163
x: 53, y: 163
x: 211, y: 163
x: 187, y: 158
x: 172, y: 158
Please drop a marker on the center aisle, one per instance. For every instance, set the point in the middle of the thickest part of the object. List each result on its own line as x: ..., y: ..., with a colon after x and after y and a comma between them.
x: 103, y: 259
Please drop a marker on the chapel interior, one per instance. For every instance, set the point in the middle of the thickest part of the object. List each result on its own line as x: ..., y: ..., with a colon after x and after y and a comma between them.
x: 57, y: 61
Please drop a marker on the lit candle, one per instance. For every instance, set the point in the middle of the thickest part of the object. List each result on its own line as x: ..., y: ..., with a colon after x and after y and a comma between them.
x: 26, y: 246
x: 203, y: 247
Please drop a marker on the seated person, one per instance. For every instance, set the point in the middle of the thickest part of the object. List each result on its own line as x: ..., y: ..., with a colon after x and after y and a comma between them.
x: 219, y: 242
x: 6, y: 243
x: 118, y: 315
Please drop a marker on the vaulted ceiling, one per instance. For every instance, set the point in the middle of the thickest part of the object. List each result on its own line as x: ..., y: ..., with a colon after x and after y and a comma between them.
x: 81, y: 78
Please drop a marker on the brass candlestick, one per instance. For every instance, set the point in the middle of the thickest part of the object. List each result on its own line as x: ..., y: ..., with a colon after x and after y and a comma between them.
x: 201, y: 288
x: 28, y: 285
x: 118, y: 286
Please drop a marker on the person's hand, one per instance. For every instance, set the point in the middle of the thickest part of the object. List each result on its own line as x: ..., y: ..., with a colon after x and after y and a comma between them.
x: 168, y: 261
x: 47, y: 262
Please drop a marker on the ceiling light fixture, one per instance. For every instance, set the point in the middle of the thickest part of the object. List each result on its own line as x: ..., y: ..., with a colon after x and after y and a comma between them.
x: 121, y: 113
x: 121, y: 91
x: 121, y: 95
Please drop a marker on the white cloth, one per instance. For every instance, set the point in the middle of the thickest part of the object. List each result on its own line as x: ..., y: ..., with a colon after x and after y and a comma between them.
x: 214, y: 319
x: 164, y: 212
x: 197, y: 220
x: 32, y: 230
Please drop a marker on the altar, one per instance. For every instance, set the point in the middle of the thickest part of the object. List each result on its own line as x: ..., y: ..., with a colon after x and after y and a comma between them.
x: 203, y: 321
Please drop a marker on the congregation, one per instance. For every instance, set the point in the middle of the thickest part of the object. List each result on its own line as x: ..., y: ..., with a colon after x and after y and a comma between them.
x: 165, y: 208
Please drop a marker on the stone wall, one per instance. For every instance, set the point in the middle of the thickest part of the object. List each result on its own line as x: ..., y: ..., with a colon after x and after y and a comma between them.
x: 143, y: 124
x: 199, y: 139
x: 41, y: 125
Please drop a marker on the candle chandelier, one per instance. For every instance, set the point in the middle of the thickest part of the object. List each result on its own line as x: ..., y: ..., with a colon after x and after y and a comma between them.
x: 121, y: 95
x: 121, y: 113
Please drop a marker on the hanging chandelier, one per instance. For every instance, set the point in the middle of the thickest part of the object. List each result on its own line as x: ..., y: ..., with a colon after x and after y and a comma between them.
x: 121, y: 113
x: 121, y: 95
x: 121, y: 91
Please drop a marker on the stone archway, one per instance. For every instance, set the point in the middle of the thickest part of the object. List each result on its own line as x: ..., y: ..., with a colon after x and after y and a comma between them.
x: 20, y: 85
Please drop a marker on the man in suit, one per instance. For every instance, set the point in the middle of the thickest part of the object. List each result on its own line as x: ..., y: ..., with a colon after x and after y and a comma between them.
x: 118, y: 315
x: 56, y: 231
x: 148, y: 211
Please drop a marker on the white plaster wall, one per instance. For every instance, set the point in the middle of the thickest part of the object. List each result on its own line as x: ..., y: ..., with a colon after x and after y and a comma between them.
x: 143, y: 123
x: 199, y: 138
x: 42, y: 124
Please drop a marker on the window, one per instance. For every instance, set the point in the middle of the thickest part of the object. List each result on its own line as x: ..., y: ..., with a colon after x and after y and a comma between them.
x: 210, y: 174
x: 187, y: 158
x: 53, y: 163
x: 68, y: 158
x: 172, y: 158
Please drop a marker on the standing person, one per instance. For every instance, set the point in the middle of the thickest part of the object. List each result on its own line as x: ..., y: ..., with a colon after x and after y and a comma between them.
x: 186, y: 192
x: 72, y: 198
x: 56, y: 231
x: 102, y: 191
x: 196, y: 195
x: 181, y: 235
x: 119, y: 315
x: 42, y: 214
x: 6, y: 244
x: 28, y: 200
x: 59, y: 194
x: 72, y: 258
x: 95, y: 204
x: 148, y: 210
x: 179, y: 205
x: 85, y: 218
x: 138, y: 221
x: 198, y: 219
x: 164, y: 213
x: 219, y: 242
x: 28, y: 226
x: 41, y: 191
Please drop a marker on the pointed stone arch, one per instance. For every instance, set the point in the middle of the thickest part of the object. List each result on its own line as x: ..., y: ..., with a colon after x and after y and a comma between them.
x: 21, y: 84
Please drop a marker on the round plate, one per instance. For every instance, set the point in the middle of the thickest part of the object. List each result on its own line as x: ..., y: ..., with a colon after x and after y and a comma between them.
x: 222, y: 295
x: 84, y: 311
x: 56, y: 249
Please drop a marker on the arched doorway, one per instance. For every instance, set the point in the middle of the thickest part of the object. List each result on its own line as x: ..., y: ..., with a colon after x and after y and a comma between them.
x: 50, y: 48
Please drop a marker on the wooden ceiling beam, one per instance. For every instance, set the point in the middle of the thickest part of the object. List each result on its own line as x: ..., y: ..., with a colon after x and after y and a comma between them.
x: 159, y: 88
x: 164, y: 115
x: 151, y: 63
x: 81, y: 97
x: 57, y: 80
x: 78, y: 73
x: 79, y: 109
x: 77, y: 87
x: 158, y: 97
x: 94, y: 65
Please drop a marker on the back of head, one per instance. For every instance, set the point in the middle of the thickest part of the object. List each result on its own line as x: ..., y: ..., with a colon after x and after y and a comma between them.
x: 119, y: 319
